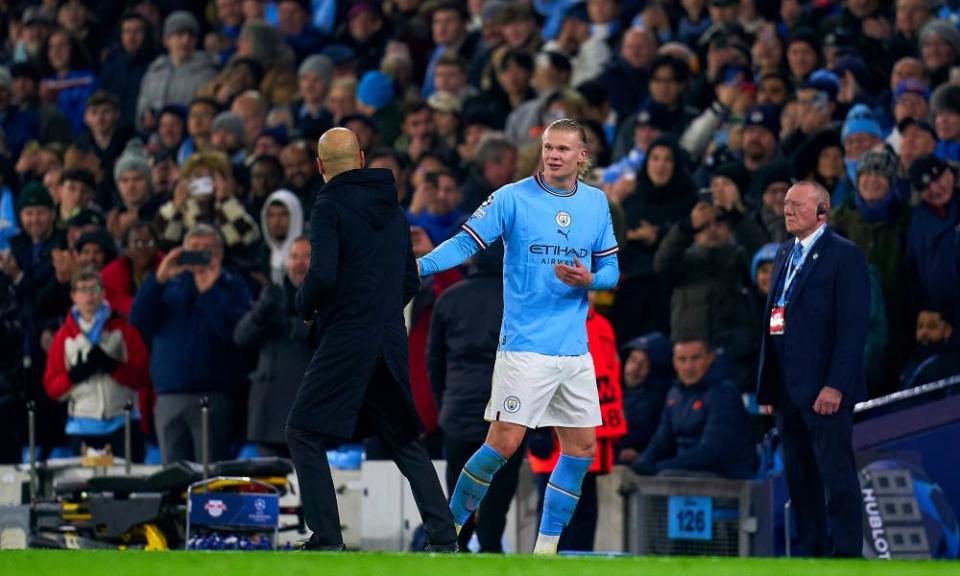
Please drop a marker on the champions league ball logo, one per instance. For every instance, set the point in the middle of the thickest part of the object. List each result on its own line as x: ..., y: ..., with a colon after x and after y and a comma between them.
x: 906, y: 515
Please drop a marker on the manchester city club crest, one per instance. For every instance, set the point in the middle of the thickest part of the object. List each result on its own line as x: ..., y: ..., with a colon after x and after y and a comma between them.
x: 511, y: 404
x: 563, y: 219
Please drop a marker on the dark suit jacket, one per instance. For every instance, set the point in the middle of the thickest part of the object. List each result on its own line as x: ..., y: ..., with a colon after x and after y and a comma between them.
x: 825, y: 326
x: 362, y: 274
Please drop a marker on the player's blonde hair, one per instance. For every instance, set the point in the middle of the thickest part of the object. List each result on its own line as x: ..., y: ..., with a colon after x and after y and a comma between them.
x: 571, y: 125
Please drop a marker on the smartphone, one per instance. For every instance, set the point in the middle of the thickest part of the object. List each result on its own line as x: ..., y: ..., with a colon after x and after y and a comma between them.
x: 202, y: 186
x: 705, y: 195
x: 194, y: 258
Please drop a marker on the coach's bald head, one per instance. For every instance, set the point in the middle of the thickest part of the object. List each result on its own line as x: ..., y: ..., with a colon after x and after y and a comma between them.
x: 338, y: 151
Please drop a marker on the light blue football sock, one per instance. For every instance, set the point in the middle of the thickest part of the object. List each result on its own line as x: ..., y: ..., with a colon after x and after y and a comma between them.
x: 473, y: 483
x: 563, y: 493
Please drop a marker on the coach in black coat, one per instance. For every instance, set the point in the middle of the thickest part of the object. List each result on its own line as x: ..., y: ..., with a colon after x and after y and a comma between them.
x: 362, y: 273
x: 811, y: 371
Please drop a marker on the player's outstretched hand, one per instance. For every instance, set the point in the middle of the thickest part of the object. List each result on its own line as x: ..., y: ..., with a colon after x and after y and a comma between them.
x: 577, y: 276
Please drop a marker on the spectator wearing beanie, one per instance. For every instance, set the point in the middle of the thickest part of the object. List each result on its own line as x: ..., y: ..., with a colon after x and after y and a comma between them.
x: 939, y: 49
x: 820, y: 158
x: 860, y: 133
x: 910, y: 100
x: 227, y: 136
x: 770, y: 185
x: 945, y: 104
x: 729, y: 187
x: 876, y: 220
x: 314, y: 77
x: 29, y: 261
x: 816, y: 108
x: 77, y: 192
x: 366, y: 31
x: 175, y: 77
x: 95, y: 249
x: 933, y: 240
x: 137, y: 201
x: 803, y: 54
x: 375, y: 98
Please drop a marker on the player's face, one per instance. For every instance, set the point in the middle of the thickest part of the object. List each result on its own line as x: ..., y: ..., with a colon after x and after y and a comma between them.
x: 562, y: 152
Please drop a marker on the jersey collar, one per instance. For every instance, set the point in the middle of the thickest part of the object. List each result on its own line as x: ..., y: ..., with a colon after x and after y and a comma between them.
x: 538, y: 177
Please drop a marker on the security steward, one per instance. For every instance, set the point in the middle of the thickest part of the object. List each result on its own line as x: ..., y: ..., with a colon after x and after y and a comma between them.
x: 811, y: 371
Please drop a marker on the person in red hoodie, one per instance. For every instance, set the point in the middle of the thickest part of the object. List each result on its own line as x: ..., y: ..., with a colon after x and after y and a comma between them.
x: 123, y: 277
x: 97, y: 363
x: 544, y: 449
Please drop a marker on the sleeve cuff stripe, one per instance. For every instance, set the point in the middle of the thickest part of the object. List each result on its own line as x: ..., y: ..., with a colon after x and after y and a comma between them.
x: 607, y: 252
x: 476, y: 237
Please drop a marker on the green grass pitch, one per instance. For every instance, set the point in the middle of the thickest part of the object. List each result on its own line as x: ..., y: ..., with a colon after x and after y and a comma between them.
x: 109, y: 563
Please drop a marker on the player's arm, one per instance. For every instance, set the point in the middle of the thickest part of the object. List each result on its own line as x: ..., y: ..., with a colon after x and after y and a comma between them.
x: 605, y: 254
x: 607, y: 274
x: 449, y: 254
x: 486, y: 225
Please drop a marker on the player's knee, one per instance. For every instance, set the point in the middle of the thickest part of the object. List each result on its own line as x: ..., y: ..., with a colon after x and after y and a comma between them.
x: 582, y: 448
x: 506, y: 441
x: 505, y: 447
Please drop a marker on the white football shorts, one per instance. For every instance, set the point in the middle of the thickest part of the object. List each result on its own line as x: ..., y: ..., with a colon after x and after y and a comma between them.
x: 536, y: 390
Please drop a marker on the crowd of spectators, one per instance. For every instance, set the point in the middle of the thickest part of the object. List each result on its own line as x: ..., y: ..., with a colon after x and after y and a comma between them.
x: 138, y: 132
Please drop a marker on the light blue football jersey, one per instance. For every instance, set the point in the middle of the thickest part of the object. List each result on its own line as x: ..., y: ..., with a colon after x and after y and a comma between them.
x: 542, y: 227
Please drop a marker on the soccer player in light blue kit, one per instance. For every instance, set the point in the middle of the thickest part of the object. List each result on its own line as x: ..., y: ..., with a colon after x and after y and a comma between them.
x: 559, y: 244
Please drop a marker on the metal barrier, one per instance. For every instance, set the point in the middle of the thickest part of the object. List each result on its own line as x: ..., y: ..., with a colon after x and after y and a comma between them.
x: 698, y: 516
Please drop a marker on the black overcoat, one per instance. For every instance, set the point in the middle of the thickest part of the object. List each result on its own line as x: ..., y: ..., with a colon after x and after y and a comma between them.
x: 362, y: 274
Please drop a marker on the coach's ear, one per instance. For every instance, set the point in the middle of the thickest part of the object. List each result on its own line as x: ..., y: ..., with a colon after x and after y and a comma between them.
x: 363, y: 160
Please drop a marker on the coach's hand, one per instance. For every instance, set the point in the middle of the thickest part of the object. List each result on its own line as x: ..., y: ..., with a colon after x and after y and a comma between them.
x: 577, y: 275
x: 828, y: 401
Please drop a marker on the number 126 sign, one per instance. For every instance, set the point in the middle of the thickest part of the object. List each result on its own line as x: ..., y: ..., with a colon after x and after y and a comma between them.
x: 690, y: 518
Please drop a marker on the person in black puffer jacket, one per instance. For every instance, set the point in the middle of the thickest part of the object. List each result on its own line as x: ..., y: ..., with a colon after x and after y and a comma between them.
x: 704, y: 428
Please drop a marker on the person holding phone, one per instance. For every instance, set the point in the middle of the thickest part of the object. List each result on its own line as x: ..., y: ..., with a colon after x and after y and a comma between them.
x: 187, y: 312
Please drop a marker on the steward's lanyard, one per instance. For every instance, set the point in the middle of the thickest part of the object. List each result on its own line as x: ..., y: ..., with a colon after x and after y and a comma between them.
x: 793, y: 268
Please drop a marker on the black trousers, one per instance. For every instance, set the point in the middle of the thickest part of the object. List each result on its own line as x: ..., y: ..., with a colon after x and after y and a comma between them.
x: 580, y: 534
x: 823, y: 480
x: 308, y: 450
x: 491, y: 518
